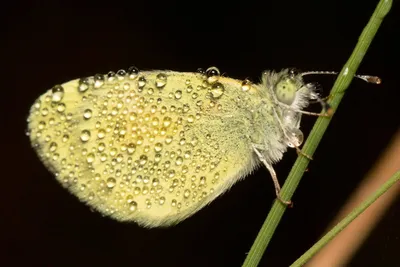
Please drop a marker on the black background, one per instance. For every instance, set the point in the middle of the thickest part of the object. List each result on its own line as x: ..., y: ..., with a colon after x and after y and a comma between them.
x: 46, y: 43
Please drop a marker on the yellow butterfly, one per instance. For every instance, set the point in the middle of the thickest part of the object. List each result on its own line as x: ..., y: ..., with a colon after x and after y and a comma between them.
x: 154, y: 147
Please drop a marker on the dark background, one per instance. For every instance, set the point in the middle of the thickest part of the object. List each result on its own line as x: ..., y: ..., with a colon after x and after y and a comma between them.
x: 46, y: 43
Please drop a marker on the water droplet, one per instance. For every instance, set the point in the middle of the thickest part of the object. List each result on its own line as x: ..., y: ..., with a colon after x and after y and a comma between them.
x: 132, y: 206
x: 85, y: 135
x: 61, y: 107
x: 129, y: 198
x: 98, y: 80
x: 148, y: 203
x: 133, y: 72
x: 65, y: 138
x: 150, y: 91
x: 173, y: 202
x: 57, y: 93
x: 113, y: 152
x: 38, y: 104
x: 131, y: 148
x: 141, y: 82
x: 101, y: 133
x: 158, y: 147
x: 53, y: 146
x: 103, y: 157
x: 110, y: 76
x: 101, y: 147
x: 145, y: 190
x: 155, y: 182
x: 161, y: 80
x: 178, y: 94
x: 126, y: 87
x: 167, y: 122
x: 246, y: 85
x: 90, y: 158
x: 111, y: 182
x: 182, y: 141
x: 45, y: 111
x: 217, y: 90
x: 42, y: 125
x: 168, y: 139
x: 190, y: 119
x: 83, y: 85
x: 163, y: 109
x: 157, y: 157
x: 179, y: 161
x: 186, y: 194
x: 212, y: 75
x: 296, y: 137
x: 139, y: 140
x: 137, y: 191
x: 87, y: 114
x: 142, y: 160
x: 121, y: 74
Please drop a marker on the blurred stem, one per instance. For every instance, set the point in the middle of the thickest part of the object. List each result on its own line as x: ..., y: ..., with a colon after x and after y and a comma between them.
x: 342, y: 82
x: 346, y: 221
x: 340, y: 250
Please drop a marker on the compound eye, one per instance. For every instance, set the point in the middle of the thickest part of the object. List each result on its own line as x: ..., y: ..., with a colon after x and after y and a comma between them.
x: 296, y: 137
x: 286, y: 90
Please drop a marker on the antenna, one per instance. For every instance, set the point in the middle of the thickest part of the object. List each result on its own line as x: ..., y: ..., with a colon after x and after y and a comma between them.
x: 366, y: 78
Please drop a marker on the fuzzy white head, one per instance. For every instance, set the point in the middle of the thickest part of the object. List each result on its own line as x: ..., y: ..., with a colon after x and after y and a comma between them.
x: 291, y: 96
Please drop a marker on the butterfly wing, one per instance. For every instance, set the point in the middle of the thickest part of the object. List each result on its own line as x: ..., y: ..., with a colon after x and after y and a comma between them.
x: 153, y: 148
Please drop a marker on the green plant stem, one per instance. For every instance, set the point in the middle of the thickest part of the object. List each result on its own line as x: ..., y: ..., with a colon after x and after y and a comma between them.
x: 346, y: 221
x: 343, y: 81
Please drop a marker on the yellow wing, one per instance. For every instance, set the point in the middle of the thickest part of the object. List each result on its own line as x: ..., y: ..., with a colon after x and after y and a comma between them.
x: 151, y: 147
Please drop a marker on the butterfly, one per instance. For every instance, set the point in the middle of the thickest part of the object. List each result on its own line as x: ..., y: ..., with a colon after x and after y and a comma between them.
x: 154, y: 147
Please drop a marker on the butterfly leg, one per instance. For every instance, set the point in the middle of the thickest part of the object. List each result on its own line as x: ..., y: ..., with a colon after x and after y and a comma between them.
x: 299, y: 152
x: 327, y: 110
x: 273, y: 175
